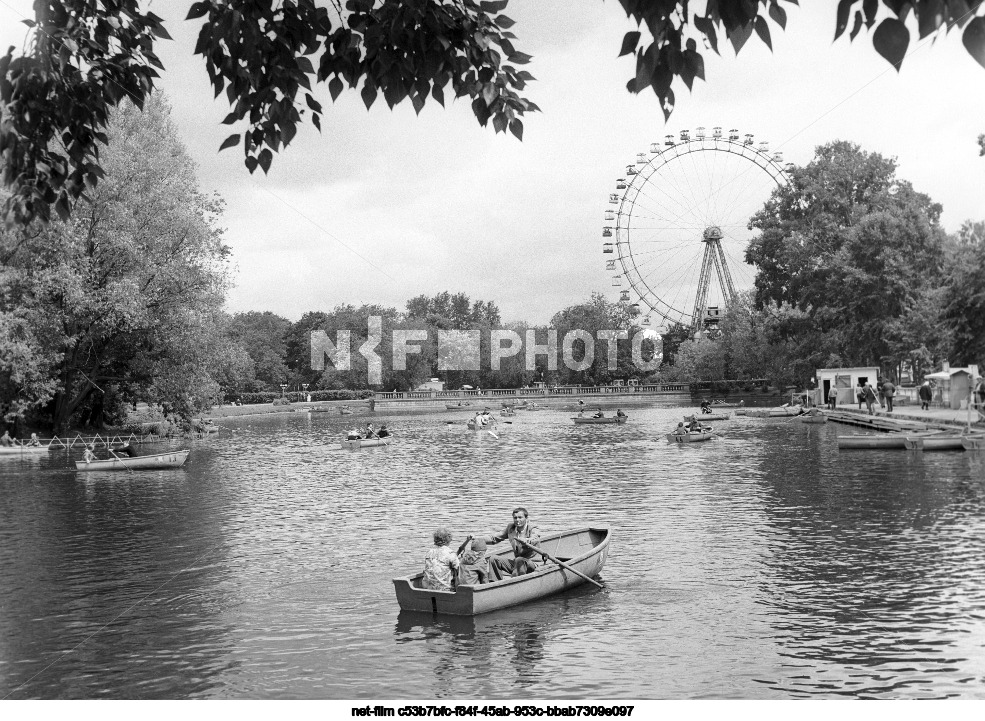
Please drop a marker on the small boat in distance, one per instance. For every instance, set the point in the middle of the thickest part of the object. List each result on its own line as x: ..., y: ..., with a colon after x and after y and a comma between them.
x: 584, y: 549
x: 690, y: 437
x: 19, y: 450
x: 157, y: 461
x: 365, y: 443
x: 606, y: 419
x: 708, y: 417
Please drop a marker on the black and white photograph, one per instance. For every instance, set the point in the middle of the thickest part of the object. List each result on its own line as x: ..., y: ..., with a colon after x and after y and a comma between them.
x: 492, y: 358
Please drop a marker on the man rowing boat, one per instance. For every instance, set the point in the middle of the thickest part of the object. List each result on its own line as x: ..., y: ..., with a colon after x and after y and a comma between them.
x: 524, y: 560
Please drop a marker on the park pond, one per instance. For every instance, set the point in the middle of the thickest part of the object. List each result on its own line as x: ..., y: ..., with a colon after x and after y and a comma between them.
x: 762, y: 564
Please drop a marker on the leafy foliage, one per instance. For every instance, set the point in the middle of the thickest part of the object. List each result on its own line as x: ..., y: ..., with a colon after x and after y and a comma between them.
x: 122, y: 301
x: 87, y: 55
x: 848, y: 244
x: 676, y: 30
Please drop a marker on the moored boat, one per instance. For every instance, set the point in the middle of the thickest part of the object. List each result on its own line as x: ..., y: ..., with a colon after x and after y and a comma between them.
x: 883, y: 440
x: 974, y: 443
x: 157, y: 461
x: 708, y: 417
x: 457, y: 406
x: 507, y: 413
x: 819, y: 418
x: 690, y: 437
x: 936, y: 442
x: 584, y: 549
x: 365, y: 443
x: 777, y: 412
x: 608, y: 419
x: 19, y: 450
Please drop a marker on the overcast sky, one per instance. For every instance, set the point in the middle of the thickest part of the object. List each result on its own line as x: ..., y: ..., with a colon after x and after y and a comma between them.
x: 383, y: 205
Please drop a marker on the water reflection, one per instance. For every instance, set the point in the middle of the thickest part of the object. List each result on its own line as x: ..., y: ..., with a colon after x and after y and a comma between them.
x: 763, y: 564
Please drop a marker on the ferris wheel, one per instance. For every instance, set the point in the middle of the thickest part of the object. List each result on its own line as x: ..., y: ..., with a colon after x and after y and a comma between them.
x: 679, y: 221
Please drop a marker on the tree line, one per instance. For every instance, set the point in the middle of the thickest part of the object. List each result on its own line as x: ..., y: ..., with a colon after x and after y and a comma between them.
x: 122, y: 302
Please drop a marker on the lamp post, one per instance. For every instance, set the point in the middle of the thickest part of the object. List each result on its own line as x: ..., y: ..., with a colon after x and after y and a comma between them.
x: 283, y: 387
x: 305, y: 386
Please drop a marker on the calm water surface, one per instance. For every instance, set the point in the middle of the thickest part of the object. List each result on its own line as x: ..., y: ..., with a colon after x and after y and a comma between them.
x: 762, y: 564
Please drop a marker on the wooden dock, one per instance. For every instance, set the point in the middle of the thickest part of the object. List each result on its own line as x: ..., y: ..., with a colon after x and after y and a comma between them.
x: 882, y: 423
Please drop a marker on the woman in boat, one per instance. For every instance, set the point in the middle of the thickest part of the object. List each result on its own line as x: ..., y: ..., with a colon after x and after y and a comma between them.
x: 695, y: 426
x: 440, y: 563
x: 524, y: 560
x: 474, y: 568
x: 353, y: 434
x: 34, y: 440
x: 705, y: 406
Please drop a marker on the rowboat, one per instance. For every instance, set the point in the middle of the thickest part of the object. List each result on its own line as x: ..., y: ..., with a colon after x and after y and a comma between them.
x: 507, y: 413
x: 533, y: 407
x: 708, y: 417
x: 583, y: 549
x: 937, y: 442
x: 778, y: 412
x: 459, y: 406
x: 143, y: 463
x: 883, y: 440
x: 610, y: 419
x: 819, y: 418
x: 19, y: 450
x: 345, y: 411
x: 690, y: 437
x: 472, y: 426
x: 973, y: 443
x: 364, y: 443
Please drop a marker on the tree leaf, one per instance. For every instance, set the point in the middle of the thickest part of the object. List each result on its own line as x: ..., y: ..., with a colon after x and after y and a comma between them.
x: 438, y: 94
x: 519, y: 58
x: 197, y: 10
x: 335, y: 87
x: 516, y: 127
x: 312, y: 103
x: 266, y: 157
x: 418, y: 102
x: 505, y: 22
x: 494, y: 6
x: 891, y: 40
x: 739, y: 35
x: 778, y: 14
x: 858, y: 26
x: 763, y: 31
x: 368, y: 95
x: 629, y: 43
x: 973, y: 39
x: 844, y: 10
x: 230, y: 142
x: 500, y: 122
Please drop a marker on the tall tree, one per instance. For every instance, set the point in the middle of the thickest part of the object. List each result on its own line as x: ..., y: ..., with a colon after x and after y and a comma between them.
x: 263, y: 336
x: 132, y: 283
x: 849, y: 244
x: 964, y: 293
x: 85, y: 56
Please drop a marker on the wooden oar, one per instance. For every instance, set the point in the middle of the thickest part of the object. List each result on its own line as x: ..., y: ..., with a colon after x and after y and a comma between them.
x: 492, y: 434
x: 119, y: 459
x: 559, y: 562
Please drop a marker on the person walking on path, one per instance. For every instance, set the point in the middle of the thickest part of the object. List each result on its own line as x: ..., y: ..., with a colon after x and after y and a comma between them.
x: 926, y: 396
x: 870, y: 396
x: 832, y: 398
x: 879, y: 393
x: 889, y: 390
x: 860, y: 395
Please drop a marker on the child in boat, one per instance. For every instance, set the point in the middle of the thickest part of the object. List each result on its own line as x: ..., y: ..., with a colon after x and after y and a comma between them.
x: 89, y: 456
x: 440, y: 563
x: 619, y: 413
x: 474, y: 568
x: 680, y: 430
